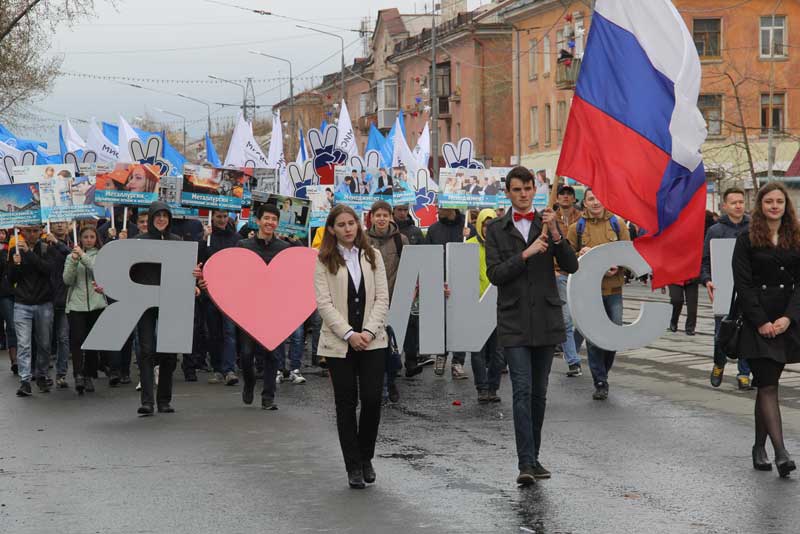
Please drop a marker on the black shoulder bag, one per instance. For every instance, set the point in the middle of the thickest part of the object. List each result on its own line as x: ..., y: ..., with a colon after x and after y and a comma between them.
x: 730, y: 331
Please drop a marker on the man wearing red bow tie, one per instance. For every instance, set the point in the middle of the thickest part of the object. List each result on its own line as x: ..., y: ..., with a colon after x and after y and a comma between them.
x: 520, y: 248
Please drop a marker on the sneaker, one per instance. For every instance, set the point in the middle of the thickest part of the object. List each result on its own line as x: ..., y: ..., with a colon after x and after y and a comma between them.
x: 295, y: 377
x: 526, y: 477
x: 457, y: 372
x: 744, y: 383
x: 394, y: 394
x: 483, y: 396
x: 230, y: 378
x: 41, y: 383
x: 574, y: 370
x: 268, y: 404
x: 438, y: 366
x: 539, y: 472
x: 61, y: 382
x: 716, y: 376
x: 279, y: 377
x: 216, y: 378
x: 24, y: 389
x: 600, y: 391
x: 139, y: 386
x: 426, y: 360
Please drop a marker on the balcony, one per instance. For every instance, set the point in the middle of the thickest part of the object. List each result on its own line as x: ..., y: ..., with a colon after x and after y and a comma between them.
x: 567, y: 74
x: 366, y: 120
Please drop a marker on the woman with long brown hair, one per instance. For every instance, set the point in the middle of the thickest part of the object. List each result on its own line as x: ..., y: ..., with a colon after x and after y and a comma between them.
x: 353, y: 300
x: 766, y: 274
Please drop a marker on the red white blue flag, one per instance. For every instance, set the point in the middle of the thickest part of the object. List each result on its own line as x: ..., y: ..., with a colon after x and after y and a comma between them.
x: 634, y: 131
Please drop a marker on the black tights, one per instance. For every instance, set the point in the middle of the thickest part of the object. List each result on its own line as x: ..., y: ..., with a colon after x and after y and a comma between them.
x: 768, y: 418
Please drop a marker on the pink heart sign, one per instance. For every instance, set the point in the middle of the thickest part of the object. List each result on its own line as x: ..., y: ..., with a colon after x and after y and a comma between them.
x: 268, y: 302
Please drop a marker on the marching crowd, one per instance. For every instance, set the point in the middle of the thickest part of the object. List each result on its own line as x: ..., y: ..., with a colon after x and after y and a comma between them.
x: 49, y: 302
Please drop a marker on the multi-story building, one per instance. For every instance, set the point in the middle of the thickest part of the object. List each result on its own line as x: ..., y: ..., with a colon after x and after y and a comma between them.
x: 750, y: 76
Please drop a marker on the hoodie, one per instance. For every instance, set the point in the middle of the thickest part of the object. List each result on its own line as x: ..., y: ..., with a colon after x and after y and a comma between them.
x: 150, y: 273
x: 221, y: 239
x: 387, y: 245
x: 723, y: 229
x: 484, y: 218
x: 411, y: 231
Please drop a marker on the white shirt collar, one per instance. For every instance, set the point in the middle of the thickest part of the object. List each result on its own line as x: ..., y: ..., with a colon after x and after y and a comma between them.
x: 345, y: 252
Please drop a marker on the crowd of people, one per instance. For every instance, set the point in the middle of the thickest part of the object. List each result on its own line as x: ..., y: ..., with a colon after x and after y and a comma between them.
x: 49, y: 302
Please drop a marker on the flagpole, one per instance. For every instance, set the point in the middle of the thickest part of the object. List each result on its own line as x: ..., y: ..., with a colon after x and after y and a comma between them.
x: 434, y: 100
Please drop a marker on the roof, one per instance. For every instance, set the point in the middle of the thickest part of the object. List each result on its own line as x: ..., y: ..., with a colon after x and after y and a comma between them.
x: 392, y: 20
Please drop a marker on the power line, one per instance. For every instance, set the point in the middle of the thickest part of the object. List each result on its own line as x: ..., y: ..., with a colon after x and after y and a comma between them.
x: 180, y: 49
x: 269, y: 13
x: 199, y: 81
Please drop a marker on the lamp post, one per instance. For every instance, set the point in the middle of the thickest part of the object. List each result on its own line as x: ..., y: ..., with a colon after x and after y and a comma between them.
x: 332, y: 35
x: 165, y: 112
x: 244, y: 92
x: 207, y: 104
x: 291, y: 89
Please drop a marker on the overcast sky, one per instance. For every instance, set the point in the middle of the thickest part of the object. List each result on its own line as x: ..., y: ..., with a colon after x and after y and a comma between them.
x: 144, y: 38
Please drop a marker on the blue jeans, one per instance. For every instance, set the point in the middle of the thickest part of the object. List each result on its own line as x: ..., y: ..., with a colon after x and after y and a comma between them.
x: 601, y: 360
x: 529, y: 368
x: 222, y: 340
x: 487, y: 365
x: 296, y: 343
x: 7, y: 313
x: 61, y: 333
x: 719, y: 357
x: 568, y: 346
x: 28, y: 317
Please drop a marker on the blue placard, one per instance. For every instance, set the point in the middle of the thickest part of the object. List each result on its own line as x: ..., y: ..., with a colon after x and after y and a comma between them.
x: 20, y: 205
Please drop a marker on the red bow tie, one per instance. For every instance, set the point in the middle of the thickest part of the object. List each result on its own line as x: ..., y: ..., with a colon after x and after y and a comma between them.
x: 519, y: 216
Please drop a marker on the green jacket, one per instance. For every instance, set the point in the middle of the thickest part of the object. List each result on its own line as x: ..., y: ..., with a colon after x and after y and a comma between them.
x: 78, y: 277
x: 478, y: 239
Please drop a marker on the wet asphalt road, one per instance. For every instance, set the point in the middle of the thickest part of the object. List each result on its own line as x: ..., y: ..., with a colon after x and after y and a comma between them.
x: 664, y: 454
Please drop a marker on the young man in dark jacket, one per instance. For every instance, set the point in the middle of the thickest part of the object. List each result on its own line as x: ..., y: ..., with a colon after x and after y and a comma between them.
x: 59, y: 246
x: 519, y: 261
x: 221, y: 330
x: 734, y: 222
x: 29, y: 273
x: 158, y: 228
x: 267, y: 245
x: 406, y: 225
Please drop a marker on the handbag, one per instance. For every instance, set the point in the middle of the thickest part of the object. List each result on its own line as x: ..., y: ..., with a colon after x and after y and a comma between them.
x: 393, y: 361
x: 730, y: 331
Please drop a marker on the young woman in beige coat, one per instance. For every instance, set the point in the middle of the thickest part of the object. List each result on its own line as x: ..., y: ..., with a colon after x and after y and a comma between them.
x: 353, y: 300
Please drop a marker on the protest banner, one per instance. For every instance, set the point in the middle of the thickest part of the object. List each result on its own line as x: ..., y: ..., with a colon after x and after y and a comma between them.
x: 20, y: 205
x: 322, y: 200
x: 169, y: 191
x: 64, y: 196
x: 467, y: 188
x: 128, y: 184
x: 402, y: 190
x: 295, y: 213
x: 350, y: 188
x: 208, y: 187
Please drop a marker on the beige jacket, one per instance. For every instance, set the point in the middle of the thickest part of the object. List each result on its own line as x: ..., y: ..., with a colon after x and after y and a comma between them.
x: 331, y: 290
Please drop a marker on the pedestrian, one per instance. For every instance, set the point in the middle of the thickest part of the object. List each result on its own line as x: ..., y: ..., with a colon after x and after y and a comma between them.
x: 488, y: 363
x: 384, y: 235
x: 450, y: 228
x: 678, y: 294
x: 59, y: 245
x: 296, y: 345
x: 597, y: 227
x: 568, y: 214
x: 353, y: 300
x: 83, y: 306
x: 766, y: 270
x: 159, y: 224
x: 732, y: 223
x: 519, y: 261
x: 29, y: 274
x: 7, y: 306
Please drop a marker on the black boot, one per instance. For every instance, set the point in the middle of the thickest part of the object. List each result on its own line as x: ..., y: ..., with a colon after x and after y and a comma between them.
x: 355, y: 478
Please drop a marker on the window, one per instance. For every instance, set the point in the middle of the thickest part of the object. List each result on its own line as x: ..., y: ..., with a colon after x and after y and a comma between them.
x: 548, y: 137
x: 707, y: 37
x: 561, y: 43
x: 532, y: 59
x: 773, y: 36
x: 387, y: 94
x: 580, y: 33
x: 561, y: 119
x: 534, y: 131
x: 777, y: 112
x: 546, y: 54
x: 711, y: 108
x: 443, y: 79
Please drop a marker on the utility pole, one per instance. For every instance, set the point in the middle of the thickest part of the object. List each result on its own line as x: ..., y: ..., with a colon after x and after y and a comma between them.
x: 434, y: 100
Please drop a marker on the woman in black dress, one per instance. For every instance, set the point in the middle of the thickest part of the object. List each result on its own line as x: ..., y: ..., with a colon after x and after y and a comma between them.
x: 766, y: 274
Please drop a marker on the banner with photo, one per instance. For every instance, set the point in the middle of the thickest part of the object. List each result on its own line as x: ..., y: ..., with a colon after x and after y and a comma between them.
x: 295, y: 213
x: 213, y: 188
x: 469, y: 188
x: 350, y: 187
x: 169, y: 191
x: 64, y: 196
x: 403, y: 191
x: 20, y: 205
x: 322, y: 200
x: 128, y: 184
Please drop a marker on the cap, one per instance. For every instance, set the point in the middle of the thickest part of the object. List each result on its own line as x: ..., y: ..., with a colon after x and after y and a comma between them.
x: 566, y: 189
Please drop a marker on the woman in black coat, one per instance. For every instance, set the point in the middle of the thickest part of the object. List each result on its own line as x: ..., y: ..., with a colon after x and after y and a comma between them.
x: 766, y: 274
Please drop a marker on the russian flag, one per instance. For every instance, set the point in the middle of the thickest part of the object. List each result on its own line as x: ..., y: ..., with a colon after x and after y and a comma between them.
x: 634, y: 131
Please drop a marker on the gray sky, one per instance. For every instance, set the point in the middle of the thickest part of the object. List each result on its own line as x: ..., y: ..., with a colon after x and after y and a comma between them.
x: 132, y: 41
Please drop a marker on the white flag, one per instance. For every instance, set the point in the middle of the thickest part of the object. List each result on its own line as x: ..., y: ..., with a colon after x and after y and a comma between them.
x: 402, y: 154
x: 14, y: 152
x: 243, y: 150
x: 346, y: 140
x: 126, y: 135
x: 422, y: 152
x: 107, y: 152
x: 277, y: 159
x: 301, y: 150
x: 72, y: 139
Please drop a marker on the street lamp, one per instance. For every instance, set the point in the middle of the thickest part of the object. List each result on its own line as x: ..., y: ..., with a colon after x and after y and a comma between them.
x: 291, y: 84
x: 165, y: 112
x: 244, y: 90
x: 332, y: 35
x: 207, y: 104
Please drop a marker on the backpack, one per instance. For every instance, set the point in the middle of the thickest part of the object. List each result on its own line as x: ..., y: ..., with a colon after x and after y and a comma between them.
x: 398, y: 243
x: 581, y: 227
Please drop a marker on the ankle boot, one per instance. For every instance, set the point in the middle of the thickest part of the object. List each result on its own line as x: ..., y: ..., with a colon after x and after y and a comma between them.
x: 760, y: 459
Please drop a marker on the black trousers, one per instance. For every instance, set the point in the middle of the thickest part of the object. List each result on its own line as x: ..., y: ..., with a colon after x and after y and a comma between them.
x: 84, y: 363
x: 411, y: 343
x: 249, y: 350
x: 357, y: 376
x: 149, y: 358
x: 677, y: 295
